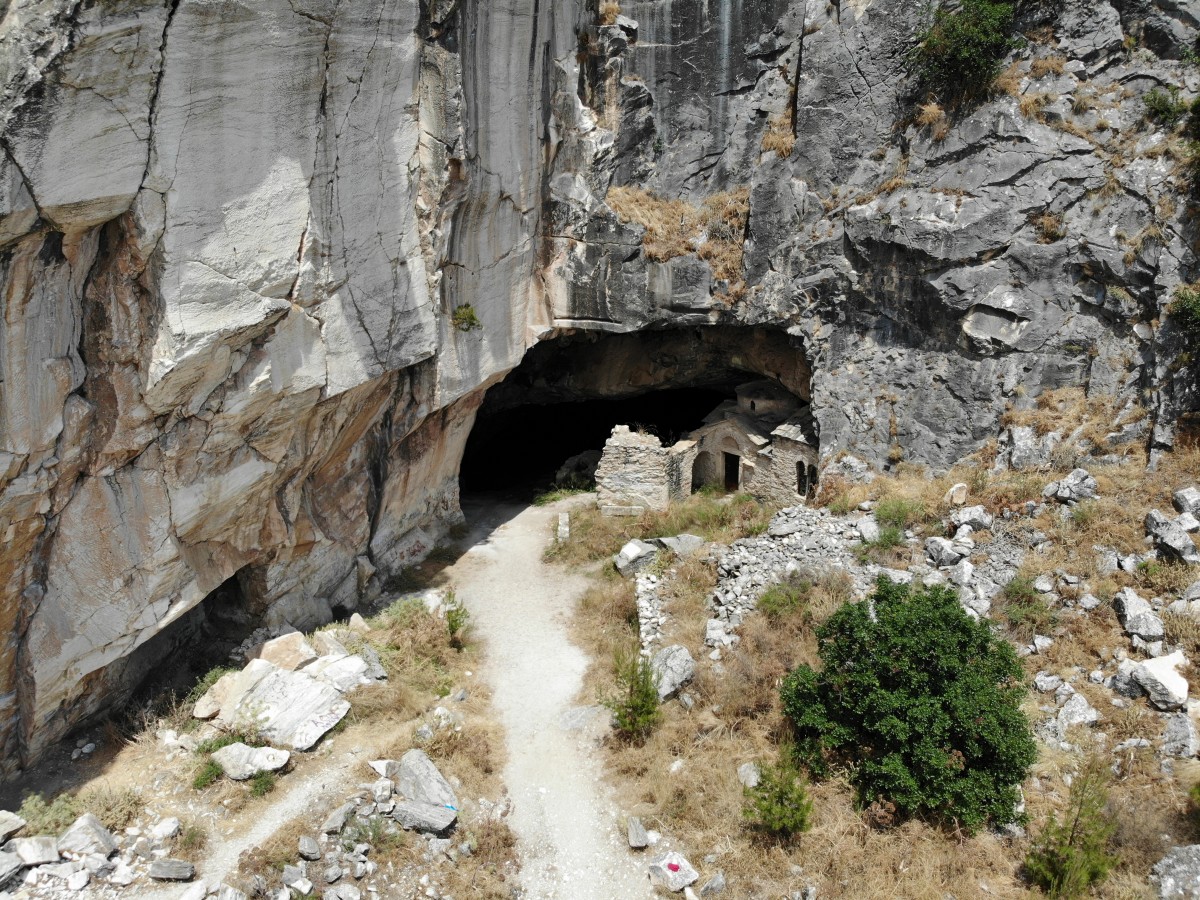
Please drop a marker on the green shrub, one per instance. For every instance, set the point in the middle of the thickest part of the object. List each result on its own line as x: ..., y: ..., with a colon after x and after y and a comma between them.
x: 54, y: 817
x: 1068, y: 857
x: 635, y: 703
x: 781, y: 600
x: 779, y: 803
x: 262, y: 784
x: 1024, y: 609
x: 920, y: 702
x: 1165, y: 107
x: 208, y: 773
x: 464, y: 318
x: 1185, y: 310
x: 898, y: 512
x: 456, y: 618
x: 958, y: 57
x: 890, y: 536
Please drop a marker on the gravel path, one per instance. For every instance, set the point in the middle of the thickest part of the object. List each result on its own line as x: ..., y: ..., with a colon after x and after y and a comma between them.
x: 570, y: 834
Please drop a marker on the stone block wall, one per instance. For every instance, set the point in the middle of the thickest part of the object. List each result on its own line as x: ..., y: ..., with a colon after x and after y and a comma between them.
x: 637, y: 473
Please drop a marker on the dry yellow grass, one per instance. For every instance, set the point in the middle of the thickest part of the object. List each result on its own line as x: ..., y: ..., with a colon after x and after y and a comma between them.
x: 1049, y: 227
x: 716, y: 518
x: 1031, y: 105
x: 609, y: 12
x: 780, y: 135
x: 1047, y: 65
x: 1009, y: 81
x: 715, y: 231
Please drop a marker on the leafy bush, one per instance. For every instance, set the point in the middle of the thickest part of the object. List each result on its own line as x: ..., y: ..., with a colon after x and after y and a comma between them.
x: 54, y: 817
x: 635, y: 704
x: 921, y: 702
x: 464, y: 318
x: 456, y: 618
x: 1165, y: 107
x: 959, y: 55
x: 1185, y: 309
x: 1068, y: 857
x: 779, y: 803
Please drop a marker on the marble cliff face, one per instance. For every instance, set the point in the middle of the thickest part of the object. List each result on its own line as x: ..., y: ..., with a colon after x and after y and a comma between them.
x: 234, y: 234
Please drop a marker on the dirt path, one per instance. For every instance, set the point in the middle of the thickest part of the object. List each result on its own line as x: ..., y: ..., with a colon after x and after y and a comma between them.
x: 570, y: 833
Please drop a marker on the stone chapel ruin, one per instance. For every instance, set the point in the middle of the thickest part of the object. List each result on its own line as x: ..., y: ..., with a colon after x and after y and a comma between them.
x: 764, y: 444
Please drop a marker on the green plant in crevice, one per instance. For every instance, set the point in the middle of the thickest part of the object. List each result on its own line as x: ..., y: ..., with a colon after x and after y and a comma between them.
x: 958, y: 56
x: 464, y: 318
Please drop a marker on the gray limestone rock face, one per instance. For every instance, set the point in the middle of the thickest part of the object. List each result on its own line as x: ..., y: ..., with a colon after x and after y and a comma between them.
x: 1078, y: 485
x: 309, y: 849
x: 290, y: 708
x: 1187, y: 500
x: 35, y: 851
x: 1160, y: 679
x: 1180, y: 739
x: 673, y: 668
x: 942, y: 552
x: 636, y: 834
x: 336, y: 820
x: 10, y: 824
x: 673, y: 872
x: 1137, y: 616
x: 682, y: 545
x: 10, y: 865
x: 189, y: 348
x: 975, y: 516
x: 1177, y: 875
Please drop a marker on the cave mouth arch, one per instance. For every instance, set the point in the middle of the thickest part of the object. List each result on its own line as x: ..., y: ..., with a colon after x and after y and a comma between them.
x: 569, y: 391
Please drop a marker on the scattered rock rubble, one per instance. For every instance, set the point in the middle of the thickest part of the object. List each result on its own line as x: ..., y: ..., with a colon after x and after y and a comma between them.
x: 800, y: 540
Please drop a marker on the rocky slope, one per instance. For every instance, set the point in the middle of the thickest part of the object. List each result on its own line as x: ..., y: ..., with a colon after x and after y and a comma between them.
x: 234, y: 237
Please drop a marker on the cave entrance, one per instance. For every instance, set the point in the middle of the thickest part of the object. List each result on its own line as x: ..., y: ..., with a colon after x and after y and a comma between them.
x: 171, y: 662
x: 569, y: 392
x: 733, y: 468
x: 523, y: 448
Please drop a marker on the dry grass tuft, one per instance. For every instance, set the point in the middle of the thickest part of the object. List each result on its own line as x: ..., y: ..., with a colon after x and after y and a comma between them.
x: 1050, y: 228
x: 609, y: 12
x: 1047, y: 65
x: 674, y: 228
x: 780, y: 135
x: 1031, y: 105
x: 1009, y: 81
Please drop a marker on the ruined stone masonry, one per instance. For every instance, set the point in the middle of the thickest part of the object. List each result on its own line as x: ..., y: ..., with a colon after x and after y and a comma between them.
x: 233, y: 235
